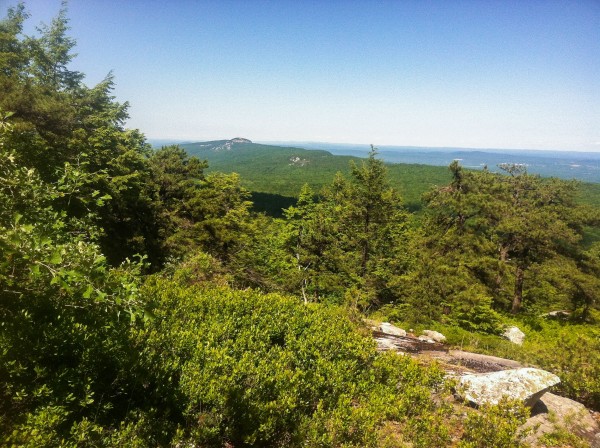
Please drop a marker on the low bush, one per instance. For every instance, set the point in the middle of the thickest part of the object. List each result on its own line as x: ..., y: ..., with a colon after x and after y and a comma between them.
x: 253, y: 369
x: 495, y: 426
x: 571, y: 351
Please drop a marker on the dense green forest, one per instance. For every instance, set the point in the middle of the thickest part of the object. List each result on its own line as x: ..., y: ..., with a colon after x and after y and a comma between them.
x: 144, y: 303
x: 279, y: 172
x: 282, y: 171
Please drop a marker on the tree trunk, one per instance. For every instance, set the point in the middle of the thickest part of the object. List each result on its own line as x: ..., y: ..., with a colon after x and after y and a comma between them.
x: 503, y: 251
x: 518, y: 295
x: 365, y: 245
x: 299, y: 265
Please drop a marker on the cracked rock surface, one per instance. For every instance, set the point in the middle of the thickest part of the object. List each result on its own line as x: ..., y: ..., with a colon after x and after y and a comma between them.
x: 524, y: 384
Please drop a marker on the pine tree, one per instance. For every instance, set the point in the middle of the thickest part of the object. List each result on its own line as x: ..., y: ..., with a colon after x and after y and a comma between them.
x: 496, y: 231
x: 349, y: 242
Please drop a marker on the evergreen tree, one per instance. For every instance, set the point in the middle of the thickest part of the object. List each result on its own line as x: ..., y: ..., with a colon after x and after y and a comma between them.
x: 349, y: 243
x: 492, y: 230
x: 379, y: 228
x: 300, y: 238
x: 51, y: 55
x: 58, y: 121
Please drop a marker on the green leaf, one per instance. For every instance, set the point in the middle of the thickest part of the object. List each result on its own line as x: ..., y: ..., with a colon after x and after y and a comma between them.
x: 56, y: 257
x: 88, y: 292
x: 35, y: 270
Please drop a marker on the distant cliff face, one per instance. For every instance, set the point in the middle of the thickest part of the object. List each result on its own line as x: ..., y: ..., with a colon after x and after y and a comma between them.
x: 223, y: 145
x: 227, y: 144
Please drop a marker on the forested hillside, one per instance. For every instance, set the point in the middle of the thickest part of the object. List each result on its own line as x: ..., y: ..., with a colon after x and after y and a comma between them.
x: 278, y: 171
x: 275, y: 174
x: 144, y: 303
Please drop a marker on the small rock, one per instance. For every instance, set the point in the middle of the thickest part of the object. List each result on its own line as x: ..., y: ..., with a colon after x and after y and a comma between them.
x: 525, y: 384
x: 434, y: 335
x: 514, y: 335
x: 560, y: 314
x: 426, y: 339
x: 388, y: 328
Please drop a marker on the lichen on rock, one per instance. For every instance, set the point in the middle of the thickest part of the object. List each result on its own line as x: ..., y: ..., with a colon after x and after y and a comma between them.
x: 525, y: 384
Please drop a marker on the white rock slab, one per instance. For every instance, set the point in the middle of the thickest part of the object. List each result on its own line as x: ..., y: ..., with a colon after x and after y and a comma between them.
x: 525, y: 384
x: 388, y: 328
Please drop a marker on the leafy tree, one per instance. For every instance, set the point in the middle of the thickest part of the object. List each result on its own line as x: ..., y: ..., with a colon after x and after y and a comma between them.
x: 65, y: 313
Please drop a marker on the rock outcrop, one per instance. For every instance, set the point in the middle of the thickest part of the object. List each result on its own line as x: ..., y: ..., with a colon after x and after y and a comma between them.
x: 388, y: 328
x: 434, y: 336
x: 225, y: 145
x: 478, y: 362
x: 525, y: 384
x: 384, y: 344
x: 553, y: 412
x: 405, y: 344
x: 560, y: 314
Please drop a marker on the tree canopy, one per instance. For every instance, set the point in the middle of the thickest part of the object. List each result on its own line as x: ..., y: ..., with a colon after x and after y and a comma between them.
x: 144, y: 303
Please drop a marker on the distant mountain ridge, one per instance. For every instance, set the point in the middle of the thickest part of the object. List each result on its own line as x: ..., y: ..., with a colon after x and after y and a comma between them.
x: 583, y: 166
x: 220, y: 145
x: 282, y: 170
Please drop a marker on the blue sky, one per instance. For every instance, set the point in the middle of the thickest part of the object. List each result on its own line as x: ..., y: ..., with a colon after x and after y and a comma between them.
x: 486, y: 74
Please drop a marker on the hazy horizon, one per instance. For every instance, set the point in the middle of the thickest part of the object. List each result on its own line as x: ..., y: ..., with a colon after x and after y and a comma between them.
x: 465, y: 74
x: 364, y: 146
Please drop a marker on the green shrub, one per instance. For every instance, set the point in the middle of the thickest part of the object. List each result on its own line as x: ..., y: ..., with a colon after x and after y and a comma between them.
x: 495, y: 426
x: 572, y: 352
x: 560, y: 437
x: 256, y: 369
x: 475, y: 313
x: 65, y: 314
